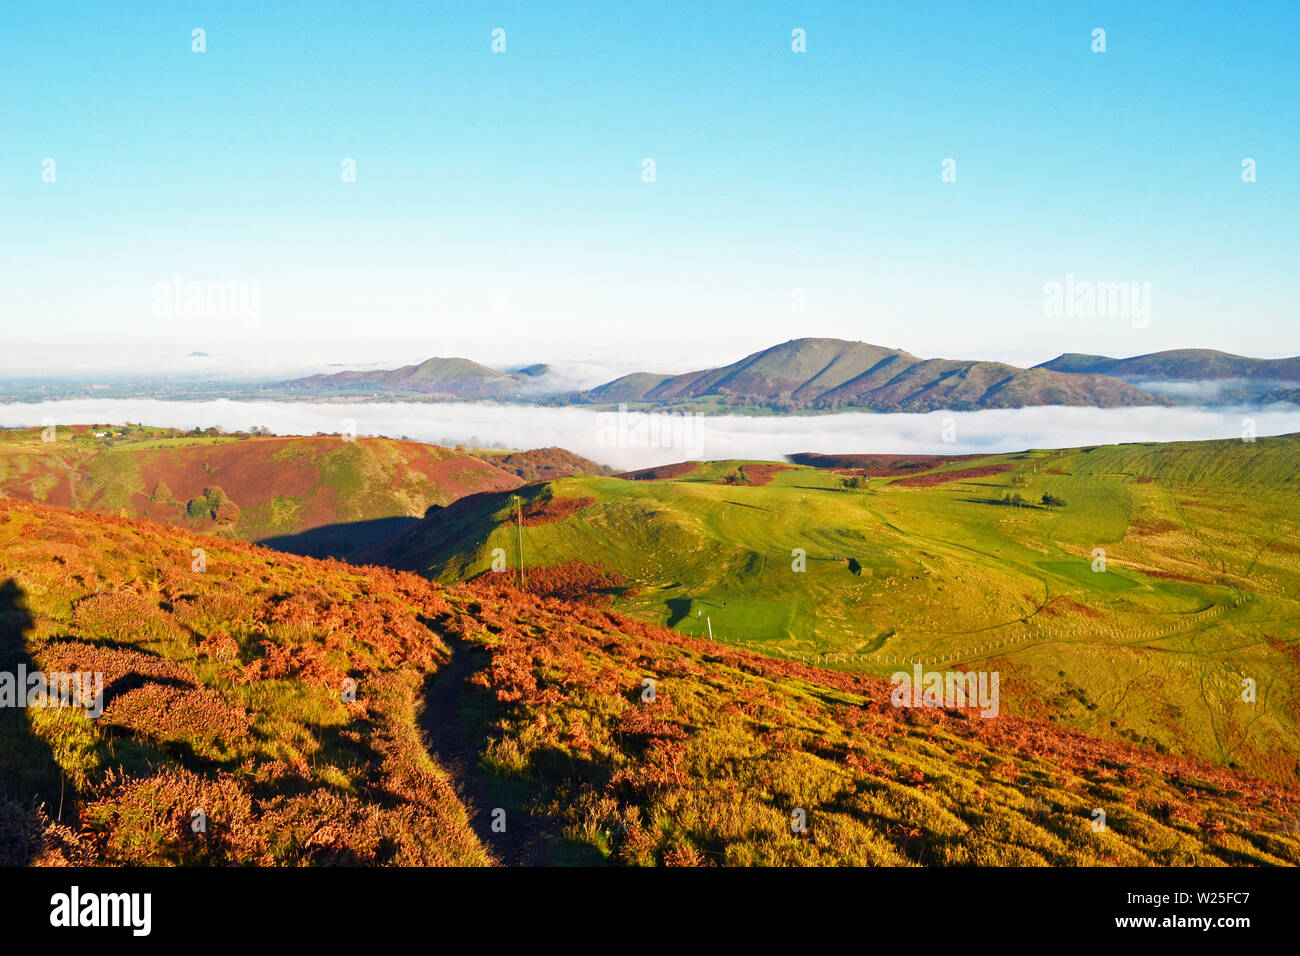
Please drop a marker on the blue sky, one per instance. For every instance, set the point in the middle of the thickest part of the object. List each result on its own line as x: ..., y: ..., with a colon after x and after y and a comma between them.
x: 499, y: 210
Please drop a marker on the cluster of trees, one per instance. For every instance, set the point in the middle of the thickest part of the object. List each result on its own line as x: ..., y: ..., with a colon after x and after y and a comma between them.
x: 213, y: 504
x: 112, y: 432
x: 738, y: 477
x: 216, y: 431
x: 129, y: 430
x: 855, y: 483
x: 1017, y: 500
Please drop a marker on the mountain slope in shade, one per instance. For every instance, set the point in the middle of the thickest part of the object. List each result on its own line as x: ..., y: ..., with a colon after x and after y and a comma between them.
x: 312, y: 495
x: 222, y: 692
x: 828, y: 374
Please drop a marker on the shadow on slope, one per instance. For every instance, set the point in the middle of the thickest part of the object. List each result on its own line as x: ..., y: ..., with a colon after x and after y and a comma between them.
x: 29, y: 775
x: 440, y: 534
x: 346, y: 540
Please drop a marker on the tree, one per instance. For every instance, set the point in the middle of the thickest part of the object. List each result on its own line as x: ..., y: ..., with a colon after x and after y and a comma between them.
x: 214, y: 504
x: 854, y: 482
x: 1051, y: 501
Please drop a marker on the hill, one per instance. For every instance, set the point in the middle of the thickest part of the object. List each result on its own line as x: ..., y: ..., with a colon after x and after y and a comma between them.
x: 448, y: 378
x: 321, y: 495
x: 1220, y: 375
x: 959, y: 564
x: 831, y: 374
x: 229, y: 734
x: 541, y: 464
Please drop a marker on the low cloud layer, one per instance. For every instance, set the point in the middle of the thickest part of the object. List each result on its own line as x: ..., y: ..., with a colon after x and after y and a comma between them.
x: 571, y: 377
x: 638, y: 441
x: 1214, y: 390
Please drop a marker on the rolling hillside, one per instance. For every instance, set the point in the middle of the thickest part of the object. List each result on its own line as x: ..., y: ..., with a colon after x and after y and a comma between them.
x: 1198, y: 592
x: 830, y: 374
x: 231, y: 733
x: 319, y: 495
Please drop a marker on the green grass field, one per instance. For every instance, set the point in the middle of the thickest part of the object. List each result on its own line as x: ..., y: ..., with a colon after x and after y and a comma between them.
x: 1202, y: 569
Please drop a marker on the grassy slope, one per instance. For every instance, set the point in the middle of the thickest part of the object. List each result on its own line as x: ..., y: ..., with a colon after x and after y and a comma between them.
x: 223, y: 694
x: 1199, y: 591
x: 281, y: 486
x: 734, y: 743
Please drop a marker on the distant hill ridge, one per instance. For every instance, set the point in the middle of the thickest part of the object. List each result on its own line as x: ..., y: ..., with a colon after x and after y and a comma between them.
x: 1179, y: 365
x: 830, y: 374
x: 808, y: 374
x: 826, y: 375
x: 451, y: 377
x: 1194, y: 375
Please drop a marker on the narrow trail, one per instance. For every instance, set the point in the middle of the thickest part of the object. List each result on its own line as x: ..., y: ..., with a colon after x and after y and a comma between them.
x: 455, y: 721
